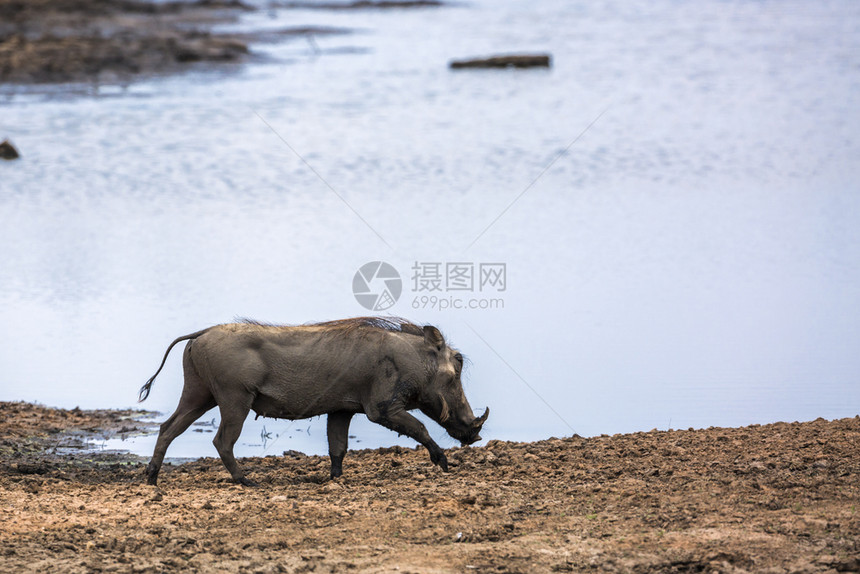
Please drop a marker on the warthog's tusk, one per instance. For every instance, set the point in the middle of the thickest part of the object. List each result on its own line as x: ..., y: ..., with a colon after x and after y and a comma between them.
x: 479, y: 422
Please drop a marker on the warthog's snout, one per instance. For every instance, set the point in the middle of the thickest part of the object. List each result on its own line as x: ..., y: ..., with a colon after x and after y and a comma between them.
x: 475, y: 428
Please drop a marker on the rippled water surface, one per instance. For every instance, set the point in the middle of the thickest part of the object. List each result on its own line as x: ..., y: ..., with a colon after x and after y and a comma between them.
x: 690, y: 259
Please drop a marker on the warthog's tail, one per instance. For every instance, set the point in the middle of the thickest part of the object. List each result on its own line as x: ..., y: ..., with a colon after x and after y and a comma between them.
x: 144, y: 390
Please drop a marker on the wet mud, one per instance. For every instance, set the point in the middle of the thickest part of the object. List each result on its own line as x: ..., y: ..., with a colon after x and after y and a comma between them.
x: 775, y: 498
x: 106, y: 40
x: 83, y: 41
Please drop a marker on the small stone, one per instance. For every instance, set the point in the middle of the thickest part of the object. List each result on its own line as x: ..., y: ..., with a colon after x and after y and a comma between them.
x: 8, y: 151
x: 332, y: 487
x: 469, y: 498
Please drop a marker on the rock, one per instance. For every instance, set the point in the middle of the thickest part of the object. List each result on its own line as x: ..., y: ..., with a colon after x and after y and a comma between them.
x: 35, y: 468
x: 469, y: 498
x: 508, y: 61
x: 332, y: 487
x: 8, y: 151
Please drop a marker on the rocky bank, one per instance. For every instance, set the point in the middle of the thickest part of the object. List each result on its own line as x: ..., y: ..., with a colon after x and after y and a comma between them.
x: 776, y: 498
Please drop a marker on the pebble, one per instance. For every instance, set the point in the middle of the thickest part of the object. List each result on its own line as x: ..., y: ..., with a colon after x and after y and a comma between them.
x: 8, y: 151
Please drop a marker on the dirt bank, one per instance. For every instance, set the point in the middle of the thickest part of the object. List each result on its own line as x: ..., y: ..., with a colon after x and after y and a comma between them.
x: 92, y: 40
x: 774, y: 498
x: 45, y: 41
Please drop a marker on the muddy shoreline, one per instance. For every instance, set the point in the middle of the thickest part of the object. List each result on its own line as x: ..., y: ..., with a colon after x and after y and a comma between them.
x: 776, y: 498
x: 51, y: 41
x: 37, y: 440
x: 107, y: 41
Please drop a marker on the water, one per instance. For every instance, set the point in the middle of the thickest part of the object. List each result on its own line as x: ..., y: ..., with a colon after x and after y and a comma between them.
x: 692, y: 259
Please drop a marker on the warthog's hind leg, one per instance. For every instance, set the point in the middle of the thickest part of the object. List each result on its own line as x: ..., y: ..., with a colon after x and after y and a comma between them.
x: 195, y: 401
x: 234, y: 410
x: 338, y: 439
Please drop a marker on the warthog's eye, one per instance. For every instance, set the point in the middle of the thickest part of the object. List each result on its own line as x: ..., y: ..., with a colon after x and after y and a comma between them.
x: 459, y: 358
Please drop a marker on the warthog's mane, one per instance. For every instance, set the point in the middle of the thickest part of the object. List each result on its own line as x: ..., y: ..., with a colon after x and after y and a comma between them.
x: 394, y: 324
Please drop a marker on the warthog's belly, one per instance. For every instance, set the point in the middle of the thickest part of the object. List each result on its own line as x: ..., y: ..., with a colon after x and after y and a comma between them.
x: 301, y: 407
x: 279, y: 409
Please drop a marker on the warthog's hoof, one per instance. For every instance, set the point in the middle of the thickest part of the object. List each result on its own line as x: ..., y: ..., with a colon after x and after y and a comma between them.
x: 151, y: 475
x: 245, y: 482
x: 441, y: 460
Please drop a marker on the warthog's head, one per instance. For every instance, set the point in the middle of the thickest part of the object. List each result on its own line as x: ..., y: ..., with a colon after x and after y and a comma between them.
x: 443, y: 400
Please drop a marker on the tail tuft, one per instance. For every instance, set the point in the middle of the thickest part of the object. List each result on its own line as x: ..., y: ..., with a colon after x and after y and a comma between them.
x: 144, y: 390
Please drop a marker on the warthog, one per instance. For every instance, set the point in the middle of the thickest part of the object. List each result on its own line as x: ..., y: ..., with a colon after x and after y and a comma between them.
x: 382, y: 367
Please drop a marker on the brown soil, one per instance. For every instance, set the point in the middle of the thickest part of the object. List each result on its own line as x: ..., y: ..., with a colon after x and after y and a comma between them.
x: 773, y: 498
x: 90, y: 40
x: 44, y: 41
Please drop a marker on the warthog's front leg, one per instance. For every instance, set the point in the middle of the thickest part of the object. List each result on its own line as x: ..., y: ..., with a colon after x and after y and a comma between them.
x: 338, y: 439
x: 393, y: 416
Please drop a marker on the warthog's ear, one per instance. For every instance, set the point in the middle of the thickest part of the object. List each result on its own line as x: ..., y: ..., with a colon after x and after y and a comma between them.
x: 433, y: 337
